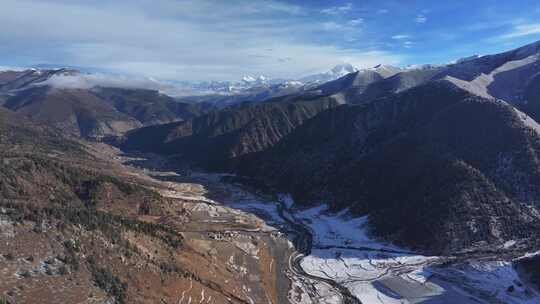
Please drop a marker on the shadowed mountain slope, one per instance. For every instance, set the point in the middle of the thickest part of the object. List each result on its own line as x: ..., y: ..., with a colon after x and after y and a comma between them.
x: 100, y: 112
x: 435, y: 167
x: 77, y: 112
x: 78, y: 226
x: 212, y: 139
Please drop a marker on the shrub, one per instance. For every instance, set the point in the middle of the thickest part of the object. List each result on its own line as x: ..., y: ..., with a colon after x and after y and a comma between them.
x: 26, y: 274
x: 108, y: 282
x: 63, y: 270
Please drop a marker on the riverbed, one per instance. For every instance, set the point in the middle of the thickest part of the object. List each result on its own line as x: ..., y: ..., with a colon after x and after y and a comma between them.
x: 333, y: 258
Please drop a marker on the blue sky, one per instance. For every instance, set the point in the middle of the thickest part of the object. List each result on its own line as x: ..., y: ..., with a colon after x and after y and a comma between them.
x: 220, y: 40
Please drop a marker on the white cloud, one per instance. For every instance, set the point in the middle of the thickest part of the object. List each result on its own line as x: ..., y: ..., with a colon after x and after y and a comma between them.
x: 522, y: 30
x: 408, y: 44
x: 355, y: 22
x: 336, y: 10
x: 11, y: 68
x: 169, y: 39
x: 420, y: 19
x: 281, y: 7
x: 400, y: 37
x: 331, y: 26
x: 88, y: 81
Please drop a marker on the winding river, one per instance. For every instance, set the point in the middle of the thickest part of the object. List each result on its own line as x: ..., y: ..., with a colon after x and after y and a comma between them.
x: 303, y: 242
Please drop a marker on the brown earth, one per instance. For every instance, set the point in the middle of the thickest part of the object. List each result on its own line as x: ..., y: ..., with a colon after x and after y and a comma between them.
x: 135, y: 245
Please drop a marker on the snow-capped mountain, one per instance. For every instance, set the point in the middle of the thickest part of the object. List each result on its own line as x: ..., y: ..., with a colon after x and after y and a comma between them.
x: 336, y: 72
x: 256, y: 87
x: 248, y: 88
x: 261, y: 88
x: 223, y: 87
x: 248, y: 83
x: 248, y: 79
x: 17, y: 79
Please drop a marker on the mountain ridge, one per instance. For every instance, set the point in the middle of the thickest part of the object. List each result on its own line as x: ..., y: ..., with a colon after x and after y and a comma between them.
x: 339, y: 170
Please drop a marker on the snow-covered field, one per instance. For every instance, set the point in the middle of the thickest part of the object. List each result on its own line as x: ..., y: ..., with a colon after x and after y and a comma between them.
x: 377, y: 272
x: 339, y: 229
x: 497, y: 280
x: 374, y: 271
x: 344, y: 252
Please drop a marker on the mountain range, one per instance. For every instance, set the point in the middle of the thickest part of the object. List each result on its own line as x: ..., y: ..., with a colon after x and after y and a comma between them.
x: 250, y: 83
x: 435, y: 163
x: 92, y: 112
x: 64, y: 98
x: 450, y: 140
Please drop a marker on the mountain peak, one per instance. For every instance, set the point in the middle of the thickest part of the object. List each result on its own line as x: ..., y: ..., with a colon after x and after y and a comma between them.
x: 248, y: 78
x: 251, y: 79
x: 343, y: 68
x: 468, y: 58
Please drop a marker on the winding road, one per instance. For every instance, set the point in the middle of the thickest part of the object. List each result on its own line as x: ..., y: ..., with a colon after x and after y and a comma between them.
x: 301, y: 235
x: 303, y: 242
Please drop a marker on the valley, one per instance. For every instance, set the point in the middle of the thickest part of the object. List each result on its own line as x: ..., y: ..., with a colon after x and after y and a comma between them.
x: 162, y: 180
x: 327, y: 257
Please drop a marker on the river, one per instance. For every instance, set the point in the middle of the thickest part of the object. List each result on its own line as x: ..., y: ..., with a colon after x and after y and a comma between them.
x: 334, y: 260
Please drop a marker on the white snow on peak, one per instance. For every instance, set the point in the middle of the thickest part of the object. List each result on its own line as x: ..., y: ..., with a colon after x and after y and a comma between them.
x: 423, y: 66
x: 254, y: 80
x: 384, y: 70
x: 248, y: 78
x: 466, y: 59
x: 336, y: 72
x: 380, y: 67
x: 343, y: 69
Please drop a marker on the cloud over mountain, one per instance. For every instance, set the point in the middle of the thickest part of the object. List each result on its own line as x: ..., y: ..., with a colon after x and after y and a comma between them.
x: 88, y: 81
x: 164, y: 40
